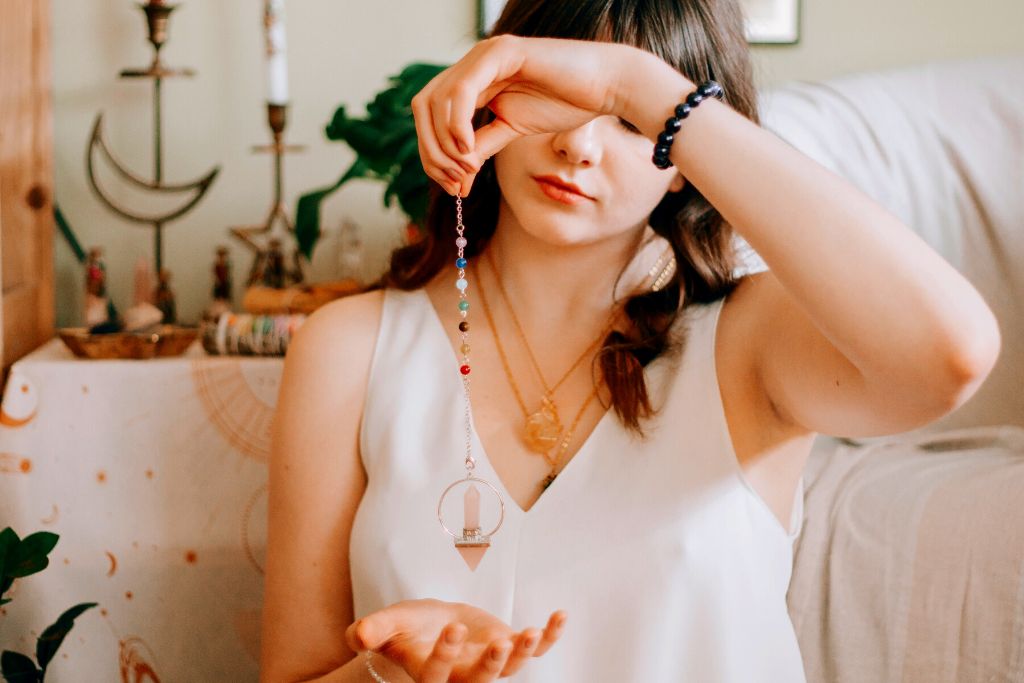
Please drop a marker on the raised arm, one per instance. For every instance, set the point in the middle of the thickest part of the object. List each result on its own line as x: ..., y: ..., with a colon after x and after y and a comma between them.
x: 862, y: 328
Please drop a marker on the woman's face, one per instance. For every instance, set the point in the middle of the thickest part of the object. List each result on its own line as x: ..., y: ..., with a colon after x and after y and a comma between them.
x: 609, y: 162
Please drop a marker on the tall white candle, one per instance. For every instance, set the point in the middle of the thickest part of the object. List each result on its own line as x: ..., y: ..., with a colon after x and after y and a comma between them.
x: 277, y: 56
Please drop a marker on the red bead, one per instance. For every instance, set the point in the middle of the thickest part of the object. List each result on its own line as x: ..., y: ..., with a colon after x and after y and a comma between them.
x: 464, y: 369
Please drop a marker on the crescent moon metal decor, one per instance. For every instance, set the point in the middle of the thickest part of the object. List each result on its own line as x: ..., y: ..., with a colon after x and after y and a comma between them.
x: 157, y: 18
x: 197, y: 187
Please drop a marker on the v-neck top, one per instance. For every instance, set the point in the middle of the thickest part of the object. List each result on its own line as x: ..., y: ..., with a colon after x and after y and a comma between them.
x: 669, y: 564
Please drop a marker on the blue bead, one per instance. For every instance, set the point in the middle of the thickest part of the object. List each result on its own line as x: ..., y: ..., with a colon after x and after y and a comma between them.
x: 460, y: 263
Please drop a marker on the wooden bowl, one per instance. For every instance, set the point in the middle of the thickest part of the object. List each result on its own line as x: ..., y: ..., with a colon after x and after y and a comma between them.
x: 160, y: 342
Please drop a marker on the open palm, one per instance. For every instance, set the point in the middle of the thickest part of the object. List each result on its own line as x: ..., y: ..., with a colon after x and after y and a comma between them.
x: 435, y: 640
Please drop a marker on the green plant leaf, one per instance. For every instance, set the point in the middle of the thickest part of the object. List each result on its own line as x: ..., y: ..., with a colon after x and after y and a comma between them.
x: 53, y: 636
x: 29, y: 556
x: 386, y: 147
x: 8, y: 540
x: 17, y: 668
x: 307, y: 210
x: 411, y: 187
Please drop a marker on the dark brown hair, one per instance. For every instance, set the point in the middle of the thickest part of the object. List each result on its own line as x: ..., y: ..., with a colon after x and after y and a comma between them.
x: 703, y: 39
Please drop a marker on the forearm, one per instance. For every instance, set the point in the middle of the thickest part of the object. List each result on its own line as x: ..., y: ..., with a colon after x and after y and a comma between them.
x: 850, y: 264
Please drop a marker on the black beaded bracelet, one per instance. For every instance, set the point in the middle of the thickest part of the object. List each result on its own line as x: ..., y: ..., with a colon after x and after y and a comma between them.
x: 704, y: 91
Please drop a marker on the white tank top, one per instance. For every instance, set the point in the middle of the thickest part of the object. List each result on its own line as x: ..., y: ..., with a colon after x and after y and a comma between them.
x: 669, y: 564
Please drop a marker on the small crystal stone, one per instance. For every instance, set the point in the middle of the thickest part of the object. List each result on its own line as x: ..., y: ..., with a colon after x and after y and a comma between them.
x: 464, y: 349
x: 462, y: 283
x: 464, y: 369
x: 461, y: 242
x: 463, y: 305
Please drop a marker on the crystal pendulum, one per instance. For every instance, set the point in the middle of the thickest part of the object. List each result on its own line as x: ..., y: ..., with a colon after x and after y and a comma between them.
x: 472, y: 543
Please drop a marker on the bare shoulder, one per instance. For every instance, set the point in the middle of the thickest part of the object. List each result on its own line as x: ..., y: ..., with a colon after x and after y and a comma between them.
x: 350, y: 323
x: 316, y: 481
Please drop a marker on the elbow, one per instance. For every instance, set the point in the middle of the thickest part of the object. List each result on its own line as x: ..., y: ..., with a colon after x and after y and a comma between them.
x: 971, y: 361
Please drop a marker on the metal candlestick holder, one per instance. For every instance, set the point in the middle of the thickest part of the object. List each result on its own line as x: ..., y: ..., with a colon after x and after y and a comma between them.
x: 157, y: 18
x: 252, y: 235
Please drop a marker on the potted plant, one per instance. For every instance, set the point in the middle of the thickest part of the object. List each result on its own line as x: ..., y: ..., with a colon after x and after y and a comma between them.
x: 20, y: 558
x: 386, y: 149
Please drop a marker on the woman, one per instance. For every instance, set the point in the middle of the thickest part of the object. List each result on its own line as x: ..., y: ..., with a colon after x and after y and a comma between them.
x: 610, y: 336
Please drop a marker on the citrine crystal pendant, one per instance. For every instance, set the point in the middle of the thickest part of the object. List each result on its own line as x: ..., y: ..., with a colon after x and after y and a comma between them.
x: 472, y: 543
x: 543, y: 428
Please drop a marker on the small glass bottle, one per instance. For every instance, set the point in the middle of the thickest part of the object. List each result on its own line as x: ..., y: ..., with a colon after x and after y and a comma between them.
x: 350, y: 251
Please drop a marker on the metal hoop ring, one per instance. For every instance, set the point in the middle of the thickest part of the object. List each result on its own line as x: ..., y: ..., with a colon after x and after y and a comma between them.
x: 486, y: 483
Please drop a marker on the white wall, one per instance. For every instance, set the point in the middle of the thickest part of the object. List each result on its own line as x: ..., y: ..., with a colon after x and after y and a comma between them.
x: 341, y: 51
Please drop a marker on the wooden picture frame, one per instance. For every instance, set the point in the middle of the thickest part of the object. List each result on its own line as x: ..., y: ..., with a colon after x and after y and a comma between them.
x: 772, y: 22
x: 769, y: 22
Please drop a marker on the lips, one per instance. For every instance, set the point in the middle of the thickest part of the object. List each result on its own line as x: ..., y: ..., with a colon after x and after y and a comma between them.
x: 562, y: 185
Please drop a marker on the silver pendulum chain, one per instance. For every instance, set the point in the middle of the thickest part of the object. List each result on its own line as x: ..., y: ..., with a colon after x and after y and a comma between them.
x: 461, y: 283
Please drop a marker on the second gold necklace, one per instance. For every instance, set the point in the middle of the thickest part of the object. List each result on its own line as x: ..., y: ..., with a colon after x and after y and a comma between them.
x: 543, y: 427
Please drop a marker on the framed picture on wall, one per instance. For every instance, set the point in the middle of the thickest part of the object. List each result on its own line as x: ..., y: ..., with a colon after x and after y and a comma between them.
x: 772, y: 22
x: 768, y: 21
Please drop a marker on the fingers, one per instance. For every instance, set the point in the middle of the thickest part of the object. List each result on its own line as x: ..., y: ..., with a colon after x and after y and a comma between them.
x: 440, y: 115
x: 491, y: 662
x: 524, y: 647
x: 436, y: 163
x: 493, y: 137
x: 551, y: 633
x: 438, y: 666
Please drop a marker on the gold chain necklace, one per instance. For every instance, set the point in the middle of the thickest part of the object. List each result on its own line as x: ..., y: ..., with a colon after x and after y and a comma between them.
x: 543, y: 427
x: 553, y: 457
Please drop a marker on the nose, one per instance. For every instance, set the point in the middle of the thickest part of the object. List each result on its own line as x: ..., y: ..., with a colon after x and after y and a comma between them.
x: 580, y: 145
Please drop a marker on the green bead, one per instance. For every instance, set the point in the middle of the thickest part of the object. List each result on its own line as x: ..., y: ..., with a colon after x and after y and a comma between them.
x: 463, y: 305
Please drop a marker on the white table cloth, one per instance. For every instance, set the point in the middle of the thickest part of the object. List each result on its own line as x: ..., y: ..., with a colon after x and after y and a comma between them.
x: 153, y: 473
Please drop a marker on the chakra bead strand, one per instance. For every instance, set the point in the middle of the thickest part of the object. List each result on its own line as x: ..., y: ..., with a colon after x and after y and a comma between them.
x: 461, y: 284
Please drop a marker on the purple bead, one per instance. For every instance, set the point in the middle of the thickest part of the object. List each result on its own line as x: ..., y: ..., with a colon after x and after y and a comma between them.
x: 694, y: 98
